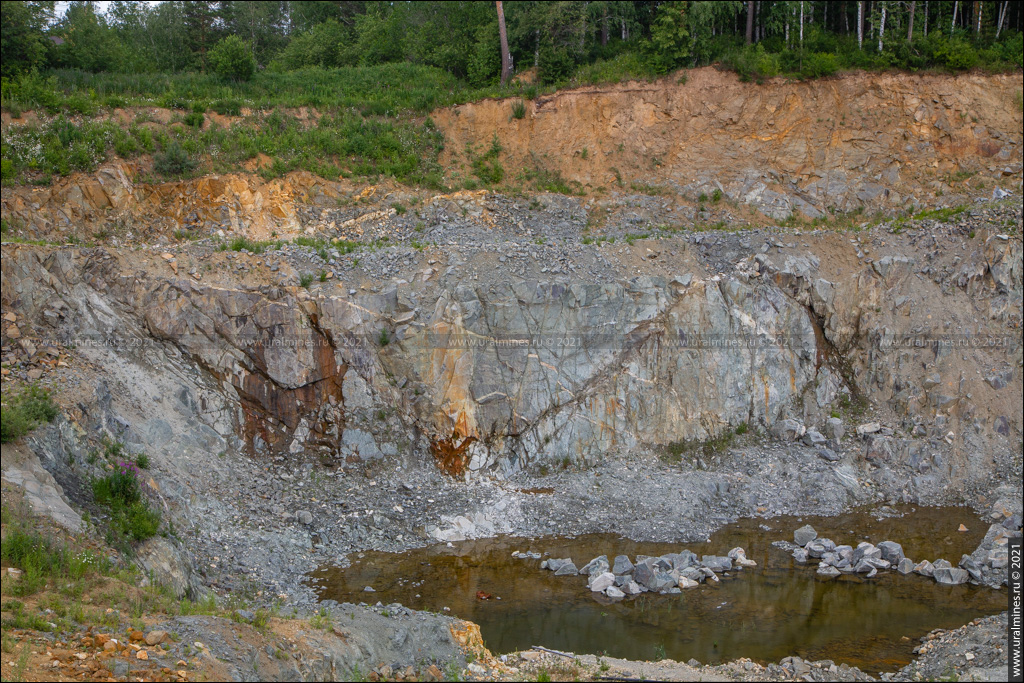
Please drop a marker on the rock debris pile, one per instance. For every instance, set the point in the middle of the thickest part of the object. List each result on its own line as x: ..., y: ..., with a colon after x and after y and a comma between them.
x: 669, y: 573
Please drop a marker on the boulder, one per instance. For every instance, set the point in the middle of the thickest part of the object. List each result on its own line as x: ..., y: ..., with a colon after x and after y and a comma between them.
x: 800, y: 555
x: 622, y: 565
x: 614, y: 593
x: 567, y: 569
x: 868, y: 428
x: 829, y: 455
x: 598, y: 565
x: 834, y: 428
x: 661, y: 582
x: 828, y: 571
x: 813, y: 438
x: 717, y: 563
x: 924, y: 568
x: 804, y: 535
x: 601, y: 582
x: 891, y: 551
x: 685, y: 582
x: 788, y: 430
x: 643, y: 573
x: 739, y: 558
x: 905, y: 566
x: 632, y: 588
x: 168, y: 566
x: 968, y: 564
x: 865, y: 550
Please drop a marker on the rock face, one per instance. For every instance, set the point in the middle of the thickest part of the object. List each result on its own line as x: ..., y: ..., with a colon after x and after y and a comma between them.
x: 501, y: 374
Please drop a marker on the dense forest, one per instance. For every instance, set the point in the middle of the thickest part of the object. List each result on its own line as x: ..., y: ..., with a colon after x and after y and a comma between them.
x: 375, y: 70
x: 758, y: 37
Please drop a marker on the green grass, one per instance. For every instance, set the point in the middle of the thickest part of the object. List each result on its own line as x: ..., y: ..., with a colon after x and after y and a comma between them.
x: 341, y: 142
x: 42, y: 558
x: 941, y: 215
x: 24, y: 411
x: 674, y: 452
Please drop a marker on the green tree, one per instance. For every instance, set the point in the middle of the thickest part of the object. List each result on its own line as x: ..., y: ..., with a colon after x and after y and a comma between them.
x: 231, y: 58
x: 485, y: 62
x: 669, y: 44
x: 328, y: 44
x: 381, y: 33
x: 89, y: 43
x: 22, y: 43
x: 261, y: 24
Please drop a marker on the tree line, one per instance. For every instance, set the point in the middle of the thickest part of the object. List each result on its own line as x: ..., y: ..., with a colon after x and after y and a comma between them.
x: 483, y: 42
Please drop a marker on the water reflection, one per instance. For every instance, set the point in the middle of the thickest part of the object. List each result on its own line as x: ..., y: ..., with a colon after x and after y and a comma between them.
x: 773, y: 610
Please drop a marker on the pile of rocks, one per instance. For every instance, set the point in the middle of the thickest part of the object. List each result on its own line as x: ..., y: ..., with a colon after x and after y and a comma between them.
x: 666, y: 574
x: 867, y: 559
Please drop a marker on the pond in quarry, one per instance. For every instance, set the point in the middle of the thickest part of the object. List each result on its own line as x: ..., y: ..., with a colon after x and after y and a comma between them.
x: 767, y: 612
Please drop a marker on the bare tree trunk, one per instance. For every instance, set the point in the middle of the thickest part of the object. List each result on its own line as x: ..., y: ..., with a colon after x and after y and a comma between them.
x: 881, y: 28
x: 910, y: 24
x: 801, y: 24
x: 750, y: 21
x: 1002, y: 17
x: 952, y: 26
x: 926, y: 20
x: 860, y: 24
x: 604, y: 28
x: 506, y: 59
x: 977, y: 17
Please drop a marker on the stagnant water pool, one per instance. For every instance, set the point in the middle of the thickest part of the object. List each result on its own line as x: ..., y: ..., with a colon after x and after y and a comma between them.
x: 776, y: 609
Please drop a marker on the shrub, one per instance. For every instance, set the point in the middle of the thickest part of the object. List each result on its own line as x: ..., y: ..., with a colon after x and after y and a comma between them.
x: 956, y: 54
x: 754, y: 63
x: 174, y: 161
x: 227, y: 107
x: 231, y: 58
x: 131, y: 517
x: 518, y: 109
x: 194, y: 119
x: 819, y: 64
x: 26, y: 411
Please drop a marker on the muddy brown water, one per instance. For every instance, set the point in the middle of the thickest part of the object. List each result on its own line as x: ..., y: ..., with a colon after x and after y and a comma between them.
x: 776, y: 609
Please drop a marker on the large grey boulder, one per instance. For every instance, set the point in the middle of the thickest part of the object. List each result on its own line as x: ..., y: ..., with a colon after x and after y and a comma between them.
x: 968, y: 564
x: 662, y: 581
x: 170, y: 567
x: 567, y: 569
x: 643, y: 573
x: 865, y: 550
x: 804, y: 535
x: 905, y: 566
x: 717, y: 563
x: 622, y: 565
x: 598, y: 565
x: 891, y: 551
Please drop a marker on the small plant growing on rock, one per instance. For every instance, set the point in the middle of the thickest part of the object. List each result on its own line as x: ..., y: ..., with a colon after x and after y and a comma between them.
x: 518, y: 109
x: 24, y: 412
x: 383, y: 338
x: 305, y: 280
